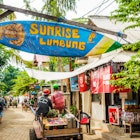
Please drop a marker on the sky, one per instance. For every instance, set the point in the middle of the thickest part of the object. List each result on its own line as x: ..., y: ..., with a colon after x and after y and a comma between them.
x: 84, y: 8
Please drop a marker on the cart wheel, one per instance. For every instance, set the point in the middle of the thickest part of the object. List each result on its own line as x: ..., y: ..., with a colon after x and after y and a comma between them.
x: 32, y: 135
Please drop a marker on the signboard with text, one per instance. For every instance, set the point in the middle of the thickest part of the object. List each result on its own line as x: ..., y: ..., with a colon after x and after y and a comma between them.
x: 100, y: 81
x: 54, y: 39
x: 114, y: 115
x: 82, y: 82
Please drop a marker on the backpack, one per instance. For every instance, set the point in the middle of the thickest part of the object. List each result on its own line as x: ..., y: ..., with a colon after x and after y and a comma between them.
x: 1, y: 106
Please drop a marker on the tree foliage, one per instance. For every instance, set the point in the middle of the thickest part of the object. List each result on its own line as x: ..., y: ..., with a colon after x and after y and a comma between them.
x: 130, y: 77
x: 53, y: 7
x: 9, y: 73
x: 4, y: 57
x: 128, y: 11
x: 22, y: 83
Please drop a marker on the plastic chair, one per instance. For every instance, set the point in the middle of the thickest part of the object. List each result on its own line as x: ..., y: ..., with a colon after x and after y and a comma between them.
x: 84, y: 120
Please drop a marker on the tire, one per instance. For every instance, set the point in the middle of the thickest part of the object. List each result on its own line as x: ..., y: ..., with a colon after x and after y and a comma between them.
x: 32, y: 135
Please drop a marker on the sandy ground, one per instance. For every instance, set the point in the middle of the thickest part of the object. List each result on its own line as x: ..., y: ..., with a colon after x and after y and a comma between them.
x: 16, y: 124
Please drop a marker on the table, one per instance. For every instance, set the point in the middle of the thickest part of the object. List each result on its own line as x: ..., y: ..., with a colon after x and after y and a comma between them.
x: 60, y: 133
x: 54, y: 122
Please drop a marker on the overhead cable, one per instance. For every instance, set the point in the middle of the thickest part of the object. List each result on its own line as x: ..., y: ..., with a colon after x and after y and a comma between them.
x: 94, y: 8
x: 105, y: 8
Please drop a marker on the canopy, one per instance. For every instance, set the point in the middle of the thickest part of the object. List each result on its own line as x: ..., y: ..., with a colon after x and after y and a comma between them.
x: 119, y: 56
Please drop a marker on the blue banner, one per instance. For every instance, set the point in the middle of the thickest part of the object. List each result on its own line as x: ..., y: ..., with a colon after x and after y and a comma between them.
x: 74, y: 83
x: 54, y: 39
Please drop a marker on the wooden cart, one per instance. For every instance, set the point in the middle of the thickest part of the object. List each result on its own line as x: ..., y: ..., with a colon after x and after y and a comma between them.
x: 54, y: 129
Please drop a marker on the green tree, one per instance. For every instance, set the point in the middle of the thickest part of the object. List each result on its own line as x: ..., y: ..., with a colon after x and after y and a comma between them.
x: 128, y: 11
x: 4, y: 57
x: 53, y: 7
x: 22, y: 83
x: 130, y: 77
x: 9, y: 73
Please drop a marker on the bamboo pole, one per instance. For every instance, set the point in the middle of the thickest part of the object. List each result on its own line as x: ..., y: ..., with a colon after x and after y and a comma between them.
x: 94, y: 28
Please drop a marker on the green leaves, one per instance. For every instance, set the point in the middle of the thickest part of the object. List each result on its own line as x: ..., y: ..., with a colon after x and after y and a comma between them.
x: 130, y: 77
x: 132, y: 47
x: 128, y: 11
x: 56, y: 8
x: 4, y: 56
x: 22, y: 83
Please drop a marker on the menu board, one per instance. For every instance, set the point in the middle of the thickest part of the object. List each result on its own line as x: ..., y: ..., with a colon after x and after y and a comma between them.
x: 133, y: 117
x: 114, y: 115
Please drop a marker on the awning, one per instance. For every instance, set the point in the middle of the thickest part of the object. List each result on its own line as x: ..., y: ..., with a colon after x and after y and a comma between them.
x: 48, y: 76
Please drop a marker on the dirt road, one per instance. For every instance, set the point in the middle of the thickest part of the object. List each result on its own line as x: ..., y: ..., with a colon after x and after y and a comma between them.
x: 16, y: 124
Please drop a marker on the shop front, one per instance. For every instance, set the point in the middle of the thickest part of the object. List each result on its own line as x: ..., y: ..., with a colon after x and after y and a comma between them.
x: 113, y: 106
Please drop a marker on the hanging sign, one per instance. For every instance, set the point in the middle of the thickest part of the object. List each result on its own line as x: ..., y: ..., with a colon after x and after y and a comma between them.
x: 100, y: 81
x: 114, y: 115
x: 54, y: 39
x: 74, y: 83
x: 82, y: 82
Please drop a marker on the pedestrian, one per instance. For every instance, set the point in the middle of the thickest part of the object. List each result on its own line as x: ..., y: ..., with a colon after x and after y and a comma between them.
x: 25, y: 105
x: 35, y: 103
x: 2, y: 104
x: 31, y: 101
x: 44, y: 104
x: 58, y: 99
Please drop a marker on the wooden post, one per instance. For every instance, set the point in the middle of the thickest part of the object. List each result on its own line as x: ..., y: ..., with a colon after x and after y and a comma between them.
x: 91, y: 27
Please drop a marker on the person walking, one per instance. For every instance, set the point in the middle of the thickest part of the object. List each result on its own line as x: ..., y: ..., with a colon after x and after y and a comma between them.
x: 58, y: 99
x: 44, y: 104
x: 2, y: 104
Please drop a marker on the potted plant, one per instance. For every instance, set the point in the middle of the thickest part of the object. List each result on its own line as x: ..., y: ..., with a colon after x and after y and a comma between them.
x: 73, y: 109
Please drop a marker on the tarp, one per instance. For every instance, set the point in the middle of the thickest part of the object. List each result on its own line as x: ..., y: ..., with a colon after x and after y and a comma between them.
x: 54, y: 39
x: 48, y: 76
x: 133, y: 35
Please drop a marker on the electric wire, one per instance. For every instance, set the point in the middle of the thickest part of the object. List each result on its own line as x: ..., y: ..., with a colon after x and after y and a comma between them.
x: 95, y: 8
x: 99, y: 7
x: 105, y: 7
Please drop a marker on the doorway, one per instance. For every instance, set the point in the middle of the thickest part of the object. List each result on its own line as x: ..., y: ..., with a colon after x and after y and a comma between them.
x: 107, y: 104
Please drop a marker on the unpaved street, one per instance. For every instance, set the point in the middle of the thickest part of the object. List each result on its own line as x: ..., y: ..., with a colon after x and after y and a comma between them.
x: 16, y: 124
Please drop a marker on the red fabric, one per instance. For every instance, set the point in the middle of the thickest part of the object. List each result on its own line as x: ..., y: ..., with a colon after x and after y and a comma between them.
x: 94, y: 81
x: 100, y: 81
x: 107, y: 73
x: 82, y: 82
x: 84, y: 121
x: 58, y: 100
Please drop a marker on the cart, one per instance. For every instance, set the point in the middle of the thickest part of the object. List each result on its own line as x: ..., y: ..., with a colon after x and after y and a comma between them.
x: 53, y: 129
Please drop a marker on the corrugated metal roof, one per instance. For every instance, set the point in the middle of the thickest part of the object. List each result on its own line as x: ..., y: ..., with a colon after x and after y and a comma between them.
x: 121, y: 56
x: 133, y: 35
x: 116, y: 57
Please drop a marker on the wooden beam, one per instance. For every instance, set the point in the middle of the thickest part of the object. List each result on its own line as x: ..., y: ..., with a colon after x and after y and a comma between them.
x: 5, y: 14
x: 94, y: 28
